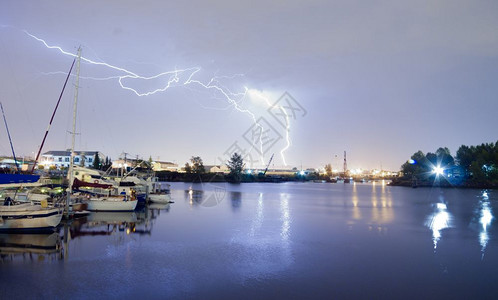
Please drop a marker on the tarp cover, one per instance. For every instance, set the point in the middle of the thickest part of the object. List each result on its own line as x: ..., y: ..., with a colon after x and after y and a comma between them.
x: 78, y: 183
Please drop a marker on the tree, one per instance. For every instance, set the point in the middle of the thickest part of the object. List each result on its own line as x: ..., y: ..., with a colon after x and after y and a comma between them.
x: 197, y: 165
x: 464, y: 157
x: 235, y: 165
x: 444, y: 157
x: 432, y: 158
x: 149, y: 163
x: 477, y: 165
x: 107, y: 164
x: 328, y: 170
x: 96, y: 161
x: 417, y: 165
x: 188, y: 168
x: 82, y: 159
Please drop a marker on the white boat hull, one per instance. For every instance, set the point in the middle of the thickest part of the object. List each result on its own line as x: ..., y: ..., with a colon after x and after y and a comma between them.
x: 29, y: 217
x: 111, y: 204
x: 160, y: 198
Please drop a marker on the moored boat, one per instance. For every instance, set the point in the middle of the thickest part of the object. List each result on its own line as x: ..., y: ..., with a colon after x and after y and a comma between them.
x: 160, y: 198
x: 28, y: 217
x: 17, y: 178
x: 112, y: 203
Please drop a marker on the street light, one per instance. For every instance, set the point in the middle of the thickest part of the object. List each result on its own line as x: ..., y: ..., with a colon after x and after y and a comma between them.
x: 438, y: 170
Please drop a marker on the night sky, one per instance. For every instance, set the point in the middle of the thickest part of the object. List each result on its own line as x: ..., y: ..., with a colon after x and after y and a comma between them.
x: 379, y: 79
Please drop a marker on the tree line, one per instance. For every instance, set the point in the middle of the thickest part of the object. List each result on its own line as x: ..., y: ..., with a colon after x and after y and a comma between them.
x: 472, y: 166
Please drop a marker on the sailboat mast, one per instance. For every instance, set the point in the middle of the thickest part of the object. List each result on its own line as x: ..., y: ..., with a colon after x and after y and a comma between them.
x: 75, y: 106
x: 10, y: 140
x: 52, y: 118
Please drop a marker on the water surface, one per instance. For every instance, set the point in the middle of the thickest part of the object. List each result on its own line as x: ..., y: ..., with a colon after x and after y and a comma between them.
x: 262, y: 240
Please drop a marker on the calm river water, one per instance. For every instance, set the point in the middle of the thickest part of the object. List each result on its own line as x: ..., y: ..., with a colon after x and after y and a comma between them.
x: 283, y: 240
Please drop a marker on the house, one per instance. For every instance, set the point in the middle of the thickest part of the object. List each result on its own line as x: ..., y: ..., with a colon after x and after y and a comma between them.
x: 164, y: 166
x: 9, y: 163
x: 216, y: 169
x: 61, y: 159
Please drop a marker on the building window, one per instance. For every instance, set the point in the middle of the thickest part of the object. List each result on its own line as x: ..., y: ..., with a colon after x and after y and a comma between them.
x: 76, y: 159
x: 60, y: 159
x: 66, y: 159
x: 90, y: 160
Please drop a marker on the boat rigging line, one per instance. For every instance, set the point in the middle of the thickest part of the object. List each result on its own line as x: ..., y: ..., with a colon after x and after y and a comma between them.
x: 10, y: 140
x: 53, y: 114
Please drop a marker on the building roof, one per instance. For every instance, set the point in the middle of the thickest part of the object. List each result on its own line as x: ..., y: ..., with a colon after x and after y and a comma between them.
x: 165, y: 162
x: 68, y: 153
x: 9, y: 161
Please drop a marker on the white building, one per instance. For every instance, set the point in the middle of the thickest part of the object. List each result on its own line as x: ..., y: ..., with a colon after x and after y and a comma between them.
x: 164, y: 166
x: 60, y: 159
x: 216, y: 169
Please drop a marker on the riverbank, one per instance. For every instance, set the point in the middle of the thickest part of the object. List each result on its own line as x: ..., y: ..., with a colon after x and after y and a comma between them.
x: 220, y: 177
x: 442, y: 183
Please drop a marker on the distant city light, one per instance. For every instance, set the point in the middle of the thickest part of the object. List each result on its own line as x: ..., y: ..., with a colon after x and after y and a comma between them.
x: 412, y: 162
x: 438, y: 170
x: 301, y: 173
x: 248, y: 171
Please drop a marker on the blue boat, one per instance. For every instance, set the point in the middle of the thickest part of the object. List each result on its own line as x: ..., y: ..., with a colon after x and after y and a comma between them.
x: 6, y: 178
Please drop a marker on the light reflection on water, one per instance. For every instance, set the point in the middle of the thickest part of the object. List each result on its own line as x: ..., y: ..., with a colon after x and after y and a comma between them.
x: 378, y: 213
x: 292, y: 237
x: 257, y: 221
x: 485, y: 219
x: 286, y: 228
x: 30, y: 247
x: 355, y: 199
x: 439, y: 220
x: 268, y: 250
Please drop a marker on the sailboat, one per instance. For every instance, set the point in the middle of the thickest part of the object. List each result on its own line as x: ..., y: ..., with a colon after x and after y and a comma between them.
x: 16, y: 216
x: 112, y: 203
x: 28, y: 216
x: 7, y: 179
x: 126, y: 202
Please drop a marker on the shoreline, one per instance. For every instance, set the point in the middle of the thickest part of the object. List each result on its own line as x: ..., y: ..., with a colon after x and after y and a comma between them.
x: 408, y: 183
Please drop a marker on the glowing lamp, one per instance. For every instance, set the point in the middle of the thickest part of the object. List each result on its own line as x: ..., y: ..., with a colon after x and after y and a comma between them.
x: 438, y: 170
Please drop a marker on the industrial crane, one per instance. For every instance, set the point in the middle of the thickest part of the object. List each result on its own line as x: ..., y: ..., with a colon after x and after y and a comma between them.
x: 267, y: 166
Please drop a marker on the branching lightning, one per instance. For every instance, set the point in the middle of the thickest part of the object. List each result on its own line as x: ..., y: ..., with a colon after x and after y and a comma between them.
x: 177, y: 78
x: 287, y: 121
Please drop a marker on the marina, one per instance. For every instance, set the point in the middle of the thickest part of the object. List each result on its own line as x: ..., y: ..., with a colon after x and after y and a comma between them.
x: 248, y: 150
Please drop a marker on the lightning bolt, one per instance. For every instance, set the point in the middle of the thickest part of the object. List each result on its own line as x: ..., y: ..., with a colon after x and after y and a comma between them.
x: 260, y: 95
x: 176, y: 78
